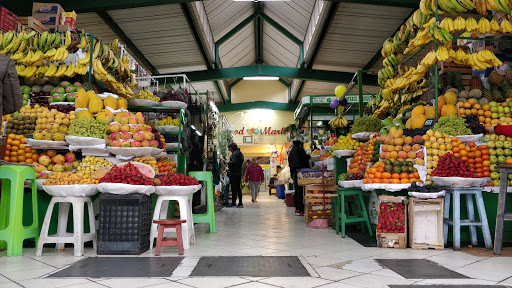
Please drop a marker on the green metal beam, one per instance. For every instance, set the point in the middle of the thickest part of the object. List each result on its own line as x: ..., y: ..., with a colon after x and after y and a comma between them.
x: 284, y: 82
x: 257, y: 105
x: 278, y: 71
x: 237, y: 28
x: 219, y: 92
x: 281, y: 29
x: 195, y: 33
x: 397, y: 3
x: 235, y: 82
x: 126, y: 40
x: 24, y: 7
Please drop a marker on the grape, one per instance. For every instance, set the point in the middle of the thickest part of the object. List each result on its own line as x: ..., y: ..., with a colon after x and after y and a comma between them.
x: 473, y: 124
x: 452, y: 125
x: 88, y: 128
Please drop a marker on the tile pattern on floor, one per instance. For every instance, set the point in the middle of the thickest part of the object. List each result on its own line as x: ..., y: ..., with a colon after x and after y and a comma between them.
x: 266, y: 228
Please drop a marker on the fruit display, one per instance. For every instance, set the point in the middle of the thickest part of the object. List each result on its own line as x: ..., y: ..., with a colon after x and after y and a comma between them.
x: 146, y: 94
x: 178, y: 95
x: 69, y: 178
x: 451, y: 166
x: 425, y: 188
x: 51, y: 161
x: 127, y: 173
x: 88, y: 128
x: 21, y: 124
x: 392, y: 172
x: 452, y: 125
x: 366, y: 124
x: 91, y: 164
x: 149, y: 161
x: 363, y: 157
x: 169, y: 121
x: 391, y: 218
x: 17, y: 151
x: 166, y: 166
x: 171, y: 179
x: 316, y: 152
x: 346, y: 143
x: 346, y: 177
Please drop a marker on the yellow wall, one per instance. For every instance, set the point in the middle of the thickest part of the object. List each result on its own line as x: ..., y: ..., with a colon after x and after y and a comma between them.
x: 251, y: 90
x: 259, y: 119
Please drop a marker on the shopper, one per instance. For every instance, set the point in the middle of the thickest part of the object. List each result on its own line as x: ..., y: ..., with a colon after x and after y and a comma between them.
x: 272, y: 184
x: 298, y: 159
x: 246, y: 164
x: 254, y: 176
x: 235, y: 174
x: 11, y: 99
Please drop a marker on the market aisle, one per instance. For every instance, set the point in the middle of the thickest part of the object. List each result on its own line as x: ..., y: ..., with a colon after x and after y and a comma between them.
x: 266, y: 228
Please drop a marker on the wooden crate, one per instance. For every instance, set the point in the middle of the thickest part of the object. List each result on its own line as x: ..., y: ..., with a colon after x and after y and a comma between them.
x: 32, y: 23
x: 329, y: 180
x: 330, y: 191
x: 426, y: 223
x: 392, y: 240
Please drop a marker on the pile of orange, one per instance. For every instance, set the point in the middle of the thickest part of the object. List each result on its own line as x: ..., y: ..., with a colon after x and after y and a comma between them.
x: 17, y: 151
x: 477, y: 157
x: 376, y: 174
x: 164, y: 167
x: 362, y: 157
x: 483, y: 111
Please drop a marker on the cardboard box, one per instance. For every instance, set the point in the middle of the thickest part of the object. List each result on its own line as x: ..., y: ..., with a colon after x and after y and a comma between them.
x: 47, y: 19
x: 47, y: 8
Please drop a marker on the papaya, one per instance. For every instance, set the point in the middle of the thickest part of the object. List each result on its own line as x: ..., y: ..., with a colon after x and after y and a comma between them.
x: 440, y: 103
x: 418, y: 110
x: 418, y: 121
x: 448, y: 110
x: 430, y: 112
x: 408, y: 124
x: 450, y: 97
x: 84, y: 114
x: 95, y: 103
x: 82, y: 99
x: 110, y: 102
x: 106, y: 115
x: 122, y: 103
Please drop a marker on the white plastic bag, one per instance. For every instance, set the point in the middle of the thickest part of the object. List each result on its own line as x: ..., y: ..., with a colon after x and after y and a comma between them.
x: 123, y: 189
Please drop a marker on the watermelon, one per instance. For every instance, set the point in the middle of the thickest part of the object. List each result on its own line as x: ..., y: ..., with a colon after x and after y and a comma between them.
x: 143, y: 168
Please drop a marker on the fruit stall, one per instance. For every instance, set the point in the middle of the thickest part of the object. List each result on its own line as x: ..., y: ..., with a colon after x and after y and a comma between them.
x: 86, y: 121
x: 437, y: 121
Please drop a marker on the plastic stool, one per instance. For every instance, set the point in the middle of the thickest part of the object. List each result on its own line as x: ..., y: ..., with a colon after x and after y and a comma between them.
x: 12, y: 230
x: 160, y: 241
x: 457, y: 222
x: 360, y: 210
x: 78, y: 237
x: 209, y: 216
x: 187, y: 229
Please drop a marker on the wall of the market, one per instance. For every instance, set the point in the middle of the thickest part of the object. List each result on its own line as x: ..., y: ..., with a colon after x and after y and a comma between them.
x: 250, y: 90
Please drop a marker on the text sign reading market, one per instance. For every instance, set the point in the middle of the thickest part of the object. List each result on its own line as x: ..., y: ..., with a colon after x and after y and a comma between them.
x: 256, y: 131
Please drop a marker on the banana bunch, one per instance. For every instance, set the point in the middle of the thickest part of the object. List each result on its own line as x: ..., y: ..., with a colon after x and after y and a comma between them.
x: 448, y: 24
x: 429, y: 59
x: 29, y: 71
x: 495, y: 27
x: 484, y: 26
x: 459, y: 24
x: 483, y: 59
x: 385, y: 74
x: 392, y: 61
x: 338, y: 121
x: 428, y: 7
x: 505, y: 27
x: 442, y: 53
x: 382, y: 108
x: 455, y: 7
x: 471, y: 25
x: 437, y: 34
x: 501, y: 6
x: 146, y: 94
x: 460, y: 58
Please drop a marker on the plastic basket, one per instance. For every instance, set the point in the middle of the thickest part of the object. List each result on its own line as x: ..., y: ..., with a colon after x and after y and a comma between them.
x: 8, y: 20
x: 124, y: 224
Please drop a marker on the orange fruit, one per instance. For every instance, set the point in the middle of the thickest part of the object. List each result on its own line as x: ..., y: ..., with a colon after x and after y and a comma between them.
x: 477, y: 106
x: 8, y: 147
x: 12, y: 154
x: 404, y: 176
x: 412, y: 175
x: 462, y: 111
x: 488, y: 114
x: 373, y: 171
x: 11, y: 136
x: 20, y: 152
x: 455, y: 150
x: 474, y: 111
x: 15, y: 143
x: 387, y: 181
x: 395, y: 176
x: 13, y: 159
x: 376, y: 180
x: 6, y: 158
x: 486, y: 163
x: 18, y: 137
x: 386, y: 175
x: 21, y: 158
x: 378, y: 175
x: 486, y: 107
x: 395, y: 181
x: 462, y: 146
x: 28, y: 150
x: 29, y: 161
x: 34, y: 157
x: 404, y: 181
x: 467, y: 105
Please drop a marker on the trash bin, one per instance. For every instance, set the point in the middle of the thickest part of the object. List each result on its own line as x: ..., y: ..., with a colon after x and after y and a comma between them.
x: 280, y: 191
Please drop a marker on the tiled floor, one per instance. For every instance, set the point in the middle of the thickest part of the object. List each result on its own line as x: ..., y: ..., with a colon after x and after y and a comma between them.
x: 266, y: 228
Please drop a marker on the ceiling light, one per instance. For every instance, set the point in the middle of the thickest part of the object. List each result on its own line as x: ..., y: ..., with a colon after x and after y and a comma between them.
x: 258, y: 0
x: 261, y: 78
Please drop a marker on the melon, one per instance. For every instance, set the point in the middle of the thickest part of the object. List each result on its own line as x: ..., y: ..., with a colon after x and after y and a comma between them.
x: 145, y: 169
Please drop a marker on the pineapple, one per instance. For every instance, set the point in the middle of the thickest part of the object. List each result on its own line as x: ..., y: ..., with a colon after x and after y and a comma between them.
x: 475, y: 83
x: 496, y: 95
x: 428, y: 95
x: 508, y: 94
x: 509, y: 76
x: 486, y: 93
x: 495, y: 78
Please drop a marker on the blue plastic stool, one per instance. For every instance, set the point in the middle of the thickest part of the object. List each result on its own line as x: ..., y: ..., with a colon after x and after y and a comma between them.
x: 12, y: 231
x: 457, y: 222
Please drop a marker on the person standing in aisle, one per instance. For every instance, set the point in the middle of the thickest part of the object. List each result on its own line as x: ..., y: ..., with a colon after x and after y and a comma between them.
x: 11, y: 99
x: 254, y: 176
x: 298, y: 159
x: 235, y: 174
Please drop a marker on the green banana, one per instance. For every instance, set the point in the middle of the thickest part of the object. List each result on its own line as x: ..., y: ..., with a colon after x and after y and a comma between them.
x: 36, y: 42
x: 57, y: 41
x: 44, y: 37
x: 7, y: 39
x: 52, y: 38
x: 29, y: 35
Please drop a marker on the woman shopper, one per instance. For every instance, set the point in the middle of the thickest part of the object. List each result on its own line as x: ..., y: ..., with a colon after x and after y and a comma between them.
x: 254, y: 176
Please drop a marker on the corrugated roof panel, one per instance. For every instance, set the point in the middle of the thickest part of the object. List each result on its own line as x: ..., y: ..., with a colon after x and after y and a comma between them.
x: 162, y: 34
x: 278, y: 50
x: 239, y: 49
x: 292, y: 15
x: 225, y: 15
x: 92, y: 23
x: 356, y: 34
x: 323, y: 88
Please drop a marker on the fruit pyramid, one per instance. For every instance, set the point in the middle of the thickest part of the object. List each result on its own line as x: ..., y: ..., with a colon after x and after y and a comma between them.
x: 451, y: 166
x: 126, y: 174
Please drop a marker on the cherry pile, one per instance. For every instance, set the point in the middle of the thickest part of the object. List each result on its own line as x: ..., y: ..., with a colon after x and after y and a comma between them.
x: 171, y: 179
x: 64, y: 108
x: 474, y: 124
x: 127, y: 174
x: 391, y: 218
x: 355, y: 177
x: 451, y: 166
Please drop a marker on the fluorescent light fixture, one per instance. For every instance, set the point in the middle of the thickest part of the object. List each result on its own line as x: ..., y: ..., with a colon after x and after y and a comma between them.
x: 198, y: 134
x: 273, y: 78
x: 192, y: 126
x: 258, y: 0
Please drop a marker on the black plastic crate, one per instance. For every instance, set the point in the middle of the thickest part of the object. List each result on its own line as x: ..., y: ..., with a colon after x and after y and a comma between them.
x: 124, y: 224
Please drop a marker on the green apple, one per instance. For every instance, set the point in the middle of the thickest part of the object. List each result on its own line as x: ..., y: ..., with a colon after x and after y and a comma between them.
x: 502, y: 159
x: 26, y: 96
x: 494, y: 109
x: 496, y: 183
x: 492, y: 151
x: 502, y: 138
x: 499, y: 144
x: 500, y: 152
x: 507, y: 109
x: 494, y: 137
x: 493, y: 159
x: 509, y: 176
x: 492, y: 168
x: 507, y: 144
x: 26, y: 89
x: 495, y: 115
x: 495, y: 175
x: 501, y: 109
x: 493, y: 104
x: 508, y: 152
x: 491, y: 144
x: 25, y: 102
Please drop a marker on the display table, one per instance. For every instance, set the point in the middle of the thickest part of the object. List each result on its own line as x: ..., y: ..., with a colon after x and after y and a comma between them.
x: 501, y: 215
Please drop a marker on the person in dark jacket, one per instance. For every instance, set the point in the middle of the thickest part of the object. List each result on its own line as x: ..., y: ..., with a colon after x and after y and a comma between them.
x: 298, y: 159
x: 11, y: 99
x: 235, y: 174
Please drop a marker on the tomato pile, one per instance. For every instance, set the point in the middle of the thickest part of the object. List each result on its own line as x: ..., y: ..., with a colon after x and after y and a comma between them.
x: 391, y: 218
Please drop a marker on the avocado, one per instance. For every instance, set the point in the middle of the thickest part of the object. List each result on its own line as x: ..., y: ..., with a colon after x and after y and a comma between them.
x: 397, y: 169
x: 397, y: 163
x: 388, y: 168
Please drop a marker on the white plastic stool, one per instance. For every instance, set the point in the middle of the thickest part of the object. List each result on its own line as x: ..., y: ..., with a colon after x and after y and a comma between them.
x: 78, y: 237
x: 187, y: 229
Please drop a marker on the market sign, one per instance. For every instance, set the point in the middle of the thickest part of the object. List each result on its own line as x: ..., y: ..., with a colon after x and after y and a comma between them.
x: 257, y: 131
x: 350, y: 99
x: 355, y: 98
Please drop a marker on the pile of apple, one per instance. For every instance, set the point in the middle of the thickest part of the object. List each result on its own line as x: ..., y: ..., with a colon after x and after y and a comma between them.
x: 451, y: 166
x: 126, y: 174
x: 500, y: 152
x: 171, y: 179
x: 131, y: 135
x: 51, y: 161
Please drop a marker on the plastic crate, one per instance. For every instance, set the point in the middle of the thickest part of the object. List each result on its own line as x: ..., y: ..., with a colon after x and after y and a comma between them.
x: 124, y: 224
x: 8, y: 20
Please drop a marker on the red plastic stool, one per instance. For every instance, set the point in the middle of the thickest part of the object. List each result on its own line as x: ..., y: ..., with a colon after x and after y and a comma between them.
x: 160, y: 241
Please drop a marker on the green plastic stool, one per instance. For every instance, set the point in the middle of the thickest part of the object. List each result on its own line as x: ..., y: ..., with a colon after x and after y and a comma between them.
x: 209, y: 216
x: 334, y: 203
x: 360, y: 210
x: 12, y: 231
